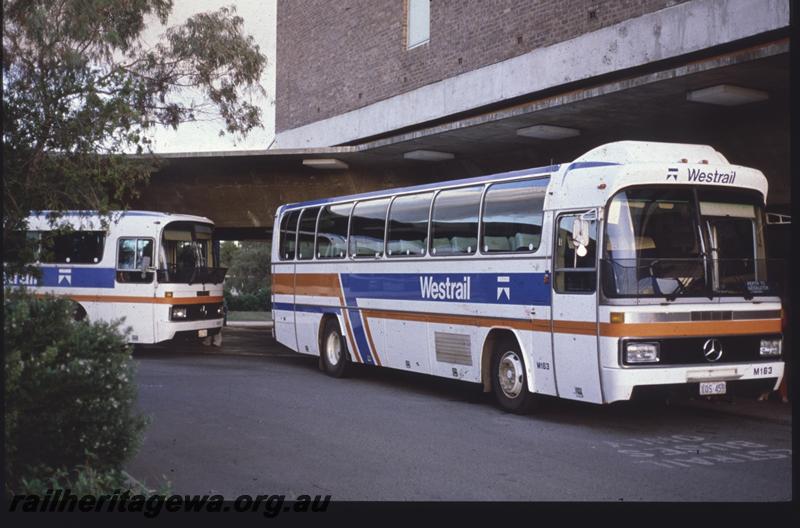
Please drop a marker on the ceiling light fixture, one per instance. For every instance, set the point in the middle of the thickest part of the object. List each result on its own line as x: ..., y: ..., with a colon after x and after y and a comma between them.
x: 428, y: 155
x: 726, y: 95
x: 325, y: 163
x: 548, y: 132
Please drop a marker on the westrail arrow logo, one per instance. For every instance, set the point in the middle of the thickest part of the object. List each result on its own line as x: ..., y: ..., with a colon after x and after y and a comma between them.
x: 672, y: 173
x: 503, y: 290
x: 65, y: 277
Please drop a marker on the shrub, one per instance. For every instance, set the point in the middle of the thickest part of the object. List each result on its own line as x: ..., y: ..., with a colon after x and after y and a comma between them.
x: 81, y: 480
x: 248, y: 302
x: 70, y: 392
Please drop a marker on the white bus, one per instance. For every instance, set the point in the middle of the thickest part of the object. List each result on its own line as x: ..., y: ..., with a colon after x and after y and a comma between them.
x: 638, y: 266
x: 158, y: 271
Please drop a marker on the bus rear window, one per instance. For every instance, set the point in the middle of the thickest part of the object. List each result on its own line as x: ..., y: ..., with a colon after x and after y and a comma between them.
x: 288, y: 235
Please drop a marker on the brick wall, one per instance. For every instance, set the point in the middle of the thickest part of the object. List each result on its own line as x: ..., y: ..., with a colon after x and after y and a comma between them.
x: 337, y: 56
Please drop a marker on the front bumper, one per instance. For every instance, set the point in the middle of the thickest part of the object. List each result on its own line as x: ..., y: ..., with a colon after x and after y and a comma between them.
x: 167, y: 330
x: 619, y: 383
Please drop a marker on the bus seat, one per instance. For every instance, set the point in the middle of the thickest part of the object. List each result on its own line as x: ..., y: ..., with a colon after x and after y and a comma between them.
x: 465, y: 244
x: 524, y: 241
x: 306, y: 249
x: 496, y: 243
x: 369, y: 247
x: 441, y: 245
x: 410, y: 247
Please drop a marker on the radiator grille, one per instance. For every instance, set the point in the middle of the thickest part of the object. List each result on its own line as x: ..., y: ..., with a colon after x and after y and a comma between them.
x: 452, y: 348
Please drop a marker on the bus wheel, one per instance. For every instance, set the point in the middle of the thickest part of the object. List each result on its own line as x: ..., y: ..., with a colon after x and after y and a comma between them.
x: 509, y: 380
x: 78, y: 313
x: 334, y: 350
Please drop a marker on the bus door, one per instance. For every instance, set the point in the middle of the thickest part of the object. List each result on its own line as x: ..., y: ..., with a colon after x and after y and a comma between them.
x: 574, y: 306
x: 135, y: 287
x: 284, y: 281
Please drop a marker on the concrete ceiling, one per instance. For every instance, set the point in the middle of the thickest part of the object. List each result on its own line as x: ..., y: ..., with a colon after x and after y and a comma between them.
x: 643, y: 105
x: 648, y: 107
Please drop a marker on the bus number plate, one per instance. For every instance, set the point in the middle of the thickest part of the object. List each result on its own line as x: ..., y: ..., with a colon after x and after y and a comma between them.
x: 711, y: 388
x: 204, y: 333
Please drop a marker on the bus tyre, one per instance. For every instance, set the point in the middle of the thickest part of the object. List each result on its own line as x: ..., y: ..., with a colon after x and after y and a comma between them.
x: 334, y: 350
x: 509, y: 380
x: 78, y: 312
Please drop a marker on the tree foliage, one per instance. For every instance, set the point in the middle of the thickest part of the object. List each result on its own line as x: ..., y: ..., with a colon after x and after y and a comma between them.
x: 248, y: 271
x: 81, y: 89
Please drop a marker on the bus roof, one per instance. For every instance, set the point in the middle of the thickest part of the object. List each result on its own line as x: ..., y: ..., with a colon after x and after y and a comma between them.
x: 424, y: 187
x: 78, y: 215
x: 609, y: 154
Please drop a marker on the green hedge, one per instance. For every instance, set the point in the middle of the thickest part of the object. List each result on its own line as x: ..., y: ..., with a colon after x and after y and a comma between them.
x: 69, y: 394
x: 248, y: 302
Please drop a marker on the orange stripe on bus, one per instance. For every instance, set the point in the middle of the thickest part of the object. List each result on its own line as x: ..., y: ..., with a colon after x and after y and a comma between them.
x: 146, y: 300
x: 667, y: 329
x: 322, y: 284
x: 689, y: 329
x: 283, y: 283
x: 540, y: 325
x: 575, y: 327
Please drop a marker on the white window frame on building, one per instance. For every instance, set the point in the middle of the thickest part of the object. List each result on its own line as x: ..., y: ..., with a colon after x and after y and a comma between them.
x: 418, y: 23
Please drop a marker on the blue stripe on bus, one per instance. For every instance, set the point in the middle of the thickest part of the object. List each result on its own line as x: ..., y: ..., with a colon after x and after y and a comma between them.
x: 68, y: 277
x: 356, y: 324
x: 425, y: 187
x: 484, y: 288
x: 308, y: 308
x: 589, y: 164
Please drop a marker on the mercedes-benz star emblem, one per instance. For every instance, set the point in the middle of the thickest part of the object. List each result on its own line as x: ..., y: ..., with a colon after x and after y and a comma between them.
x: 712, y: 350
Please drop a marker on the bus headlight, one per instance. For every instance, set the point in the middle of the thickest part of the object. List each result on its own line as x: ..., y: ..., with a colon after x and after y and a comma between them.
x: 179, y: 312
x: 770, y: 346
x: 642, y: 352
x: 220, y: 310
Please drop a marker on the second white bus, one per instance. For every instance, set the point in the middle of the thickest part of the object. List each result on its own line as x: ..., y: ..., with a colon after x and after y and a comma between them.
x: 156, y: 271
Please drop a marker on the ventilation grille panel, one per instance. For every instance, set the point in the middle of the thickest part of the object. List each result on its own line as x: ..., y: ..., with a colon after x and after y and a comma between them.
x: 453, y: 348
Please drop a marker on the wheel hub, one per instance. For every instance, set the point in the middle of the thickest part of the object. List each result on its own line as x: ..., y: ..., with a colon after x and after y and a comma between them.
x: 510, y: 374
x: 333, y: 349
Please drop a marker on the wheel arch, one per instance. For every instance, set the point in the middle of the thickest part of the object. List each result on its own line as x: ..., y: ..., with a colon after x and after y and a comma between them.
x: 496, y: 335
x: 80, y: 313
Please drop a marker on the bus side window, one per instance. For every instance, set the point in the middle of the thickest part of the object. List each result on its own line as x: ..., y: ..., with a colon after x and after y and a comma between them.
x: 76, y: 247
x: 288, y: 237
x: 512, y: 217
x: 332, y: 231
x: 454, y: 223
x: 574, y: 273
x: 134, y: 257
x: 408, y: 225
x: 367, y: 228
x: 305, y: 233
